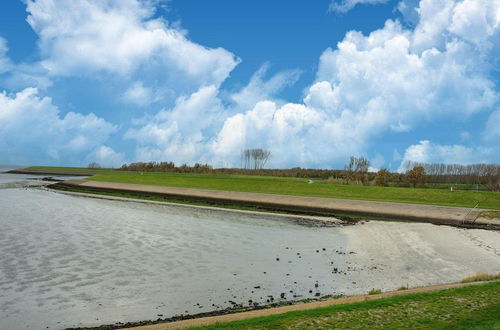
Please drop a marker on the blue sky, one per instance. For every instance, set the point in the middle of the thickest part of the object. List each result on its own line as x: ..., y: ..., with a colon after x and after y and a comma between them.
x: 314, y: 82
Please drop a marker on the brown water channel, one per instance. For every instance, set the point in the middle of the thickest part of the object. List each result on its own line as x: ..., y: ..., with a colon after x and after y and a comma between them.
x: 71, y: 261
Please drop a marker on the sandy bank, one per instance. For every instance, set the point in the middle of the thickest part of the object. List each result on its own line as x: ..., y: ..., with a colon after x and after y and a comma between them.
x: 456, y: 216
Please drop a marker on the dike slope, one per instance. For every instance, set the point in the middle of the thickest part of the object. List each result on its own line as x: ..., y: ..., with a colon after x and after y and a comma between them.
x: 455, y: 216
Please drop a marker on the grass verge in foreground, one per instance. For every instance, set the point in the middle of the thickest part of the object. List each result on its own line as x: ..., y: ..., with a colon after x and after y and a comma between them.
x: 472, y: 307
x: 301, y: 187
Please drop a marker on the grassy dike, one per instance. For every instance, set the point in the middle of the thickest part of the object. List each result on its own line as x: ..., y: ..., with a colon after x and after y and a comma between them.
x: 293, y: 186
x: 472, y: 307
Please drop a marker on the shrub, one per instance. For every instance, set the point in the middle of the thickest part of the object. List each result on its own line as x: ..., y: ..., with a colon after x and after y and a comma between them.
x: 480, y: 277
x: 382, y: 178
x: 416, y: 176
x: 374, y: 291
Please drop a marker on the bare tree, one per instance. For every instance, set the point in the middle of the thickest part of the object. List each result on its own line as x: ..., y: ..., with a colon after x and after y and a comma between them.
x: 357, y: 169
x: 255, y: 159
x: 94, y: 165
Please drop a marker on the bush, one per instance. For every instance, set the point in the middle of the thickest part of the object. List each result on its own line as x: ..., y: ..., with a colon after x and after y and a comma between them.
x: 416, y: 176
x: 332, y: 180
x: 382, y: 178
x: 374, y: 291
x: 480, y: 277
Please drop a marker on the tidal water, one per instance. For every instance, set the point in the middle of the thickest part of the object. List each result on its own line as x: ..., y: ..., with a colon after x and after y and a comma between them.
x: 69, y: 261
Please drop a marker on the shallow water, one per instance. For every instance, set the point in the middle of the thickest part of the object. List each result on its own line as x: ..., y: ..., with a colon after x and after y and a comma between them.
x: 74, y: 261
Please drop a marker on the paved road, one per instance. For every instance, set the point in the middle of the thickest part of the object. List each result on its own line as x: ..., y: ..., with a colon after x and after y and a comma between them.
x: 401, y: 211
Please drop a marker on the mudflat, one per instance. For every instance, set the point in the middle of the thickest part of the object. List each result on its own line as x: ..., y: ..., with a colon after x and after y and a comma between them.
x: 73, y: 261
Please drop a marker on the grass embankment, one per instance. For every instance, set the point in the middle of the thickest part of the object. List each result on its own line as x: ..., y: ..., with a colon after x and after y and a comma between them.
x: 301, y: 187
x: 473, y: 307
x: 292, y: 186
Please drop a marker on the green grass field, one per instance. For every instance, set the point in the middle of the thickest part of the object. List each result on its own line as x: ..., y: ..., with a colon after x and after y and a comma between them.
x: 296, y: 186
x: 473, y: 307
x: 300, y: 187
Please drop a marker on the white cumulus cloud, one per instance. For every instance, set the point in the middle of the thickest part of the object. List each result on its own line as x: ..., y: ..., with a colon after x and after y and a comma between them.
x: 181, y: 133
x: 428, y: 152
x: 31, y: 128
x: 106, y: 157
x: 121, y: 37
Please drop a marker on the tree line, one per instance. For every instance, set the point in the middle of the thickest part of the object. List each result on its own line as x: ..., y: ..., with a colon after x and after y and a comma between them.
x: 355, y: 172
x: 473, y: 174
x: 296, y: 172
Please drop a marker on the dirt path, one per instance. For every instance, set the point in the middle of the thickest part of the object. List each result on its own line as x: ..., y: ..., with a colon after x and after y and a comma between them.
x: 205, y: 321
x: 456, y: 216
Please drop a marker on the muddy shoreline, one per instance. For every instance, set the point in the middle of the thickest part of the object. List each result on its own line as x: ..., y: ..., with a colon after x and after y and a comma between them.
x: 244, y: 312
x: 238, y: 308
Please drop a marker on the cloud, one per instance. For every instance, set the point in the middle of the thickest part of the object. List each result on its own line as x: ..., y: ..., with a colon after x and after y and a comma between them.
x: 180, y: 133
x: 409, y: 11
x: 185, y: 133
x: 139, y: 95
x: 106, y: 157
x: 261, y: 89
x: 394, y: 79
x: 123, y: 38
x: 492, y: 129
x: 343, y: 6
x: 295, y: 134
x: 31, y: 128
x: 4, y: 60
x: 428, y: 152
x: 408, y: 85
